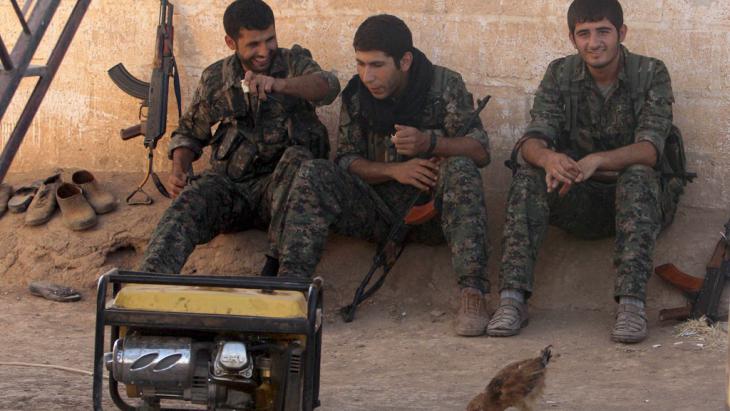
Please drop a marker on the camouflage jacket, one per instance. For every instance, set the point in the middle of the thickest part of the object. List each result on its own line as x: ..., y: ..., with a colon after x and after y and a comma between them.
x: 449, y: 105
x: 264, y: 126
x: 604, y: 123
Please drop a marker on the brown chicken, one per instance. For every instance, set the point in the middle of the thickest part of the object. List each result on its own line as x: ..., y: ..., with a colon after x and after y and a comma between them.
x: 516, y: 385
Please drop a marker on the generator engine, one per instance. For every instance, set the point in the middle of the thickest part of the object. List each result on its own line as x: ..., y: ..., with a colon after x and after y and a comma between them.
x: 227, y: 374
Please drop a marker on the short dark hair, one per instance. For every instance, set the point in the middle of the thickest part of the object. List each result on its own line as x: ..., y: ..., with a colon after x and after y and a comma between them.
x: 385, y: 33
x: 583, y: 11
x: 247, y: 14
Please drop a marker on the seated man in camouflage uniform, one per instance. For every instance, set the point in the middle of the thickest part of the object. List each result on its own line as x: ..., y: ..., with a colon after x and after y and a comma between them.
x: 263, y: 98
x: 397, y: 100
x: 593, y: 157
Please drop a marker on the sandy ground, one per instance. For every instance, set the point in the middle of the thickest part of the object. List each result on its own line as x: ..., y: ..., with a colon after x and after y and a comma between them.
x: 400, y: 353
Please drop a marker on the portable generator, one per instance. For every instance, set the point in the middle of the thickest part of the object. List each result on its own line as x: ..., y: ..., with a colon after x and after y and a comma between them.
x: 223, y: 343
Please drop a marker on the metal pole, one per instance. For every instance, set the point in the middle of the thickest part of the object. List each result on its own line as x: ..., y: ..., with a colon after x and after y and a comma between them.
x: 31, y: 107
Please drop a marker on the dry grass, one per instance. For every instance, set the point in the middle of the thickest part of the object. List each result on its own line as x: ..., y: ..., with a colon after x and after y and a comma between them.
x: 703, y: 334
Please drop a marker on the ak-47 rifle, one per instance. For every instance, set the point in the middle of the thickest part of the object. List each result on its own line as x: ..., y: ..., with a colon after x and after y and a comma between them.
x: 703, y: 294
x: 154, y: 94
x: 420, y: 210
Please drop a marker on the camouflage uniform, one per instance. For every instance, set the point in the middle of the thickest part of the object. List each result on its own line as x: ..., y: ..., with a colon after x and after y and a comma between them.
x: 324, y: 195
x: 634, y: 208
x: 256, y: 150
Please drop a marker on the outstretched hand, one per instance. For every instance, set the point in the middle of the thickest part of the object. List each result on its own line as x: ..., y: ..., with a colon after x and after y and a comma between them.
x: 417, y: 172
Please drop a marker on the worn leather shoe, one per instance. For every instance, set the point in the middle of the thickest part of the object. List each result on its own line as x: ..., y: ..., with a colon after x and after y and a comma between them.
x: 509, y: 318
x: 6, y: 191
x: 631, y: 325
x: 77, y: 213
x: 472, y: 318
x: 43, y: 205
x: 101, y: 200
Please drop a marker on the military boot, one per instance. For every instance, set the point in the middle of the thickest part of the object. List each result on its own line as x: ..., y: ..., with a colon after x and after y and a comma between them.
x: 472, y: 318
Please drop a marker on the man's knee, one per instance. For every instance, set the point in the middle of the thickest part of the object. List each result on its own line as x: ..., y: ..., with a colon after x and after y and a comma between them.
x: 638, y: 171
x: 460, y: 174
x: 296, y: 155
x: 317, y: 170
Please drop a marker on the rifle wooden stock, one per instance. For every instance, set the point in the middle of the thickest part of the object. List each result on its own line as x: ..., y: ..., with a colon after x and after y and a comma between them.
x: 675, y: 314
x: 132, y: 132
x: 673, y: 275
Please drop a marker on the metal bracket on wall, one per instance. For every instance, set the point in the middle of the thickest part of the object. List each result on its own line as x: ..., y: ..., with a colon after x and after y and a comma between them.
x: 16, y: 65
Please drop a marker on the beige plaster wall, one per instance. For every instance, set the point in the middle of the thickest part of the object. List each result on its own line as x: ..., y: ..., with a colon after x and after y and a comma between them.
x: 501, y: 47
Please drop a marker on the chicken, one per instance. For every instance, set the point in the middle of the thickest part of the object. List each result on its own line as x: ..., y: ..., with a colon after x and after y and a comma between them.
x: 516, y: 385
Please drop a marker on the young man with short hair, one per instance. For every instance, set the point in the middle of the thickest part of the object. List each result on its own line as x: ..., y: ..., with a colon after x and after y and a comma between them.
x: 263, y: 98
x: 594, y: 150
x: 398, y: 125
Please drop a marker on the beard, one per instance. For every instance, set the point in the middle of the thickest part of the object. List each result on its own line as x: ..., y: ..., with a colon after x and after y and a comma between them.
x: 250, y: 64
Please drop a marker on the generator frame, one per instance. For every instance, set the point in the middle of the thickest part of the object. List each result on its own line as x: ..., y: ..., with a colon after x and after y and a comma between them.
x: 311, y: 327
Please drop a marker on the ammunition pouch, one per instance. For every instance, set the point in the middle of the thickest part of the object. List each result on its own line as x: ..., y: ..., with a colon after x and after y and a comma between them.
x: 234, y: 150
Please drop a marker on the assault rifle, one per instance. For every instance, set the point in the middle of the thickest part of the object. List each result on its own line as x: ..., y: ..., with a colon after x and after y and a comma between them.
x: 153, y: 120
x: 703, y: 294
x: 420, y: 210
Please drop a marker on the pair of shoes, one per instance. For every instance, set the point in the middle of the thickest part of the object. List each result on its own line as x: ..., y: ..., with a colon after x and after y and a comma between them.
x: 511, y: 316
x: 80, y: 199
x: 472, y: 318
x: 6, y: 192
x: 631, y: 325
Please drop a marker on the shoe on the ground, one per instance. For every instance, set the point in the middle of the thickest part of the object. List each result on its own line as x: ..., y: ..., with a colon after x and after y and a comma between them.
x: 511, y: 316
x: 101, y: 200
x: 22, y: 197
x: 54, y: 292
x: 631, y: 325
x: 43, y: 205
x: 6, y: 191
x: 77, y: 213
x: 472, y: 318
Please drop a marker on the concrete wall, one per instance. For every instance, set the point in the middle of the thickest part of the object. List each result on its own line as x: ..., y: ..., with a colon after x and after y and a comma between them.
x: 501, y: 47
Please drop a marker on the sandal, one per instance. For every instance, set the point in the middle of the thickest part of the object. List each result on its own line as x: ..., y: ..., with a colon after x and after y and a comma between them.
x: 509, y: 319
x: 6, y: 191
x: 631, y: 325
x: 54, y: 292
x: 22, y: 197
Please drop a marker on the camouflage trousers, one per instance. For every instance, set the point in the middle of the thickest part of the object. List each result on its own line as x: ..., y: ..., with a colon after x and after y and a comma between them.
x: 634, y: 208
x: 324, y: 197
x: 214, y: 204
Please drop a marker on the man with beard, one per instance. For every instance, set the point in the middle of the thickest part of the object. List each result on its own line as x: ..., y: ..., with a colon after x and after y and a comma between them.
x: 595, y: 150
x: 398, y: 125
x: 262, y: 98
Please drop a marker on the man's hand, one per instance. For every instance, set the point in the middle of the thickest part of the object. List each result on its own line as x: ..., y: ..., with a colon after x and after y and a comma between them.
x: 259, y: 84
x: 588, y: 166
x: 182, y: 161
x: 417, y: 172
x: 560, y: 169
x: 410, y: 141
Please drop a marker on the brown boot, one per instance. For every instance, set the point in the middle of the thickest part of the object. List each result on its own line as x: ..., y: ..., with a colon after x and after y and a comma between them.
x: 472, y: 319
x: 77, y: 213
x: 102, y: 201
x: 43, y: 205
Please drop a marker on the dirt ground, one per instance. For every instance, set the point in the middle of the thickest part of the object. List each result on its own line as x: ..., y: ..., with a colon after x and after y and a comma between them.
x: 400, y: 353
